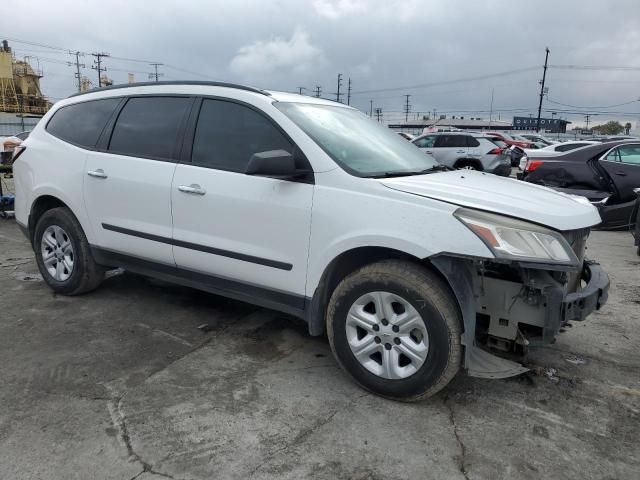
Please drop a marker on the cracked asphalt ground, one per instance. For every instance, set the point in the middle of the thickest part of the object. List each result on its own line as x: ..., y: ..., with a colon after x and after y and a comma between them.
x: 121, y: 384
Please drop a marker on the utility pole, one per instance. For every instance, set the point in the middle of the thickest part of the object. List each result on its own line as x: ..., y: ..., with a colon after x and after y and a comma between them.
x: 407, y: 108
x: 586, y: 118
x: 349, y: 92
x: 544, y: 76
x: 78, y: 65
x: 491, y: 109
x: 300, y: 89
x: 318, y: 90
x: 339, y: 85
x: 156, y: 74
x: 378, y: 114
x: 97, y: 65
x: 371, y: 108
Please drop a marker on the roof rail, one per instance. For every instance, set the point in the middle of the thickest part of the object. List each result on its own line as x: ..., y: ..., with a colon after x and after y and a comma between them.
x: 174, y: 82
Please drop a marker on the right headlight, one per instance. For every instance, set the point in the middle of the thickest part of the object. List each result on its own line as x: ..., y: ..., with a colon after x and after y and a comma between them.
x: 513, y: 239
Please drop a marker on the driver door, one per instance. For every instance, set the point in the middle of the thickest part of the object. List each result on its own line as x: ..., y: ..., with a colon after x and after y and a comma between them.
x: 241, y: 231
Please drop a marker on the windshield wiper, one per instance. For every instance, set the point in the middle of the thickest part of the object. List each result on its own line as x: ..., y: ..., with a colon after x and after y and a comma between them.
x: 404, y: 173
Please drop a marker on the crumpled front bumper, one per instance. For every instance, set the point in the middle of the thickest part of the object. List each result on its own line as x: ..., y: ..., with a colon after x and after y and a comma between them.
x: 579, y: 305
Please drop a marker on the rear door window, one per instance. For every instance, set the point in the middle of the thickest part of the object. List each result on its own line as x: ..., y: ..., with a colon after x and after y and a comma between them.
x: 451, y: 141
x: 472, y: 142
x: 82, y: 123
x: 149, y: 127
x: 613, y: 156
x: 629, y: 154
x: 228, y: 134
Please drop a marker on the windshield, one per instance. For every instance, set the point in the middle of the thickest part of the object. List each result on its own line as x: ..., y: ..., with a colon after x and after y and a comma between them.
x: 359, y: 145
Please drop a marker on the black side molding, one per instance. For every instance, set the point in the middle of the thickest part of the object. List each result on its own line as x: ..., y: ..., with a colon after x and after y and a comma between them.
x: 275, y: 299
x: 201, y: 248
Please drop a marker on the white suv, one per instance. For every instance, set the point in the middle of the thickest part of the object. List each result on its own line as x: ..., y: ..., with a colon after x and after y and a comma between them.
x: 308, y: 207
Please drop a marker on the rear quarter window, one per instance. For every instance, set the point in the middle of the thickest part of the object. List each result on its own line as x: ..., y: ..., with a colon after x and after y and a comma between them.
x: 82, y: 123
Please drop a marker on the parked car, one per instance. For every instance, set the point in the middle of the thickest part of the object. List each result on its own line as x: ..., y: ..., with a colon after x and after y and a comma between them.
x: 605, y: 173
x: 308, y: 207
x: 636, y: 214
x: 466, y: 150
x: 511, y: 140
x: 516, y: 146
x: 406, y: 136
x: 534, y: 137
x: 553, y: 150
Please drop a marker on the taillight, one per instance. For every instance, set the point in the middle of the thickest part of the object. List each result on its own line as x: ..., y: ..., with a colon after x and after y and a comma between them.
x: 17, y: 152
x: 495, y: 151
x: 532, y: 165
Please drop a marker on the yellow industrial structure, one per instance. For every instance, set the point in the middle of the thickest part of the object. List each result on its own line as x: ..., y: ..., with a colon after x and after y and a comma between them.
x: 19, y: 85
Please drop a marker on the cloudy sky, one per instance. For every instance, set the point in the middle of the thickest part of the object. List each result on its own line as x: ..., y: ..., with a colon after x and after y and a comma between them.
x: 448, y: 55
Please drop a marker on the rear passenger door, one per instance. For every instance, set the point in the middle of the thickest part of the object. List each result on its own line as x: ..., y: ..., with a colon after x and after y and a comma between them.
x: 449, y: 148
x: 623, y: 166
x: 127, y: 182
x: 246, y: 234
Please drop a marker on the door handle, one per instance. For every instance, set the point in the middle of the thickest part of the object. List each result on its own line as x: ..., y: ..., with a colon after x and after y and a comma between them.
x: 621, y: 173
x: 429, y: 151
x: 99, y: 173
x: 459, y: 151
x: 194, y: 189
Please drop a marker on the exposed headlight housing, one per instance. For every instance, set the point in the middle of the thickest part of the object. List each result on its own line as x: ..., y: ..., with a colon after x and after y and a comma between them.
x: 512, y: 239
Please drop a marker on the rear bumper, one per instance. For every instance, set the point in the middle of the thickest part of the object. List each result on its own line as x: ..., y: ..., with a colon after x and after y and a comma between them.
x: 579, y: 305
x: 504, y: 170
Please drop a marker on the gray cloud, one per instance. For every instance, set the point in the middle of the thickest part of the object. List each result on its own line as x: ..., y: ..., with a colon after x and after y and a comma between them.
x: 380, y: 44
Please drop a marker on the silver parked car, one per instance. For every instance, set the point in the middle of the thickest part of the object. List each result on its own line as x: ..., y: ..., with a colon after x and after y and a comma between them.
x: 467, y: 150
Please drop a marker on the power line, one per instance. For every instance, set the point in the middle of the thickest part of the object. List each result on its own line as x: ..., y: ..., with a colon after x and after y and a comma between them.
x: 596, y: 67
x: 98, y: 65
x: 542, y: 92
x: 604, y: 106
x: 407, y: 108
x: 339, y: 85
x: 446, y: 82
x: 156, y: 74
x: 78, y: 65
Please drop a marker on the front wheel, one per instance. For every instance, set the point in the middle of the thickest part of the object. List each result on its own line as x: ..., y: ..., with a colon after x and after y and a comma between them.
x: 395, y: 327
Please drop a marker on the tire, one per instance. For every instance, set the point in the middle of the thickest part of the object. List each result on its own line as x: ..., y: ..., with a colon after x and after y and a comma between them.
x: 438, y: 313
x: 468, y: 165
x: 78, y: 272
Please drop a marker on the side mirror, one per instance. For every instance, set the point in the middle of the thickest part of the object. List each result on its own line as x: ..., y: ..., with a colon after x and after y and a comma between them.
x: 275, y: 164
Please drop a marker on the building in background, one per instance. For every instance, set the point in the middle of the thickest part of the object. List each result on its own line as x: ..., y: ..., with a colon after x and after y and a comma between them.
x: 548, y: 125
x: 21, y: 101
x: 416, y: 127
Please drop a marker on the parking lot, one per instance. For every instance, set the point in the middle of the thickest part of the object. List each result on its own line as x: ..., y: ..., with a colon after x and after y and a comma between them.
x: 147, y: 380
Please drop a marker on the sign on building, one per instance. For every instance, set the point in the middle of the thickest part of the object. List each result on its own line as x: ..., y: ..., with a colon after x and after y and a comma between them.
x: 553, y: 125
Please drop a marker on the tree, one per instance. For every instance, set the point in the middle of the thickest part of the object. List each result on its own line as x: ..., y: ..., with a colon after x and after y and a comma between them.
x: 610, y: 128
x: 627, y: 128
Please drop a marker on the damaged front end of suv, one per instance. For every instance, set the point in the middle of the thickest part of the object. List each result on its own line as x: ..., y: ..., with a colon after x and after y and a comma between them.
x: 538, y: 281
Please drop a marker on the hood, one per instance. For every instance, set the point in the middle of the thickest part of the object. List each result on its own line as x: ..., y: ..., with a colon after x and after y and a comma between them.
x: 507, y: 196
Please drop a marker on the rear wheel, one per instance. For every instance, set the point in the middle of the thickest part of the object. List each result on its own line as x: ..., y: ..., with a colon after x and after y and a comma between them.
x: 395, y: 328
x: 63, y: 254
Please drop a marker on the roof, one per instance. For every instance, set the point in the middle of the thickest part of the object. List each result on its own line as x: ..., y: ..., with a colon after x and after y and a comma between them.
x: 183, y: 82
x: 199, y: 88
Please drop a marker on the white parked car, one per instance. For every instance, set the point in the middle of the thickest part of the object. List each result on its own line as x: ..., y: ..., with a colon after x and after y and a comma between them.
x: 311, y: 208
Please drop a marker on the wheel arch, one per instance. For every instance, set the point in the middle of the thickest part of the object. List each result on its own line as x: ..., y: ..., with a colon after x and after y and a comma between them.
x: 40, y: 205
x: 474, y: 161
x: 344, y: 264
